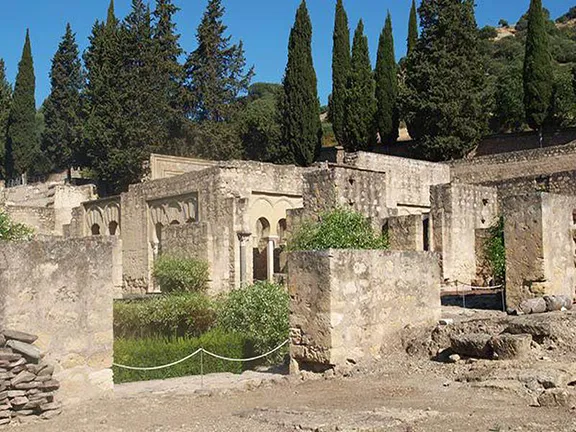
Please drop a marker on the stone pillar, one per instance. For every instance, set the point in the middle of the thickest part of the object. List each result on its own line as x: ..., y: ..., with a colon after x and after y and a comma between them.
x: 270, y: 258
x: 244, y: 239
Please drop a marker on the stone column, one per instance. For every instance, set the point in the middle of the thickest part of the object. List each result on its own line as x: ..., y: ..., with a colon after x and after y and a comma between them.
x: 272, y: 240
x: 244, y: 239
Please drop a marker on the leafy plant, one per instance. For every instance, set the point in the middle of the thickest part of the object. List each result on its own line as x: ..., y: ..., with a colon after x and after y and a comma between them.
x: 496, y: 251
x: 174, y: 274
x: 337, y: 229
x: 181, y: 315
x: 13, y: 231
x: 159, y: 351
x: 259, y: 313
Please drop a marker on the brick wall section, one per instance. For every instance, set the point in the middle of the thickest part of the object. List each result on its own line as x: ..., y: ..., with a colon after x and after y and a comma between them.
x: 62, y: 290
x: 348, y: 306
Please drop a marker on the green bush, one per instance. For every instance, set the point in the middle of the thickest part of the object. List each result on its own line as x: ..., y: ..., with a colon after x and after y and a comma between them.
x: 151, y: 352
x: 337, y: 229
x: 175, y: 274
x: 12, y: 231
x: 170, y: 315
x: 259, y: 313
x: 496, y: 252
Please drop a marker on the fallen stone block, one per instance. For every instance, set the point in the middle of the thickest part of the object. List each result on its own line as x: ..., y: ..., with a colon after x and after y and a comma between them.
x: 532, y: 306
x: 50, y: 385
x: 22, y: 377
x: 25, y: 413
x: 557, y: 397
x: 509, y: 346
x: 24, y: 348
x: 19, y: 401
x: 47, y: 415
x: 19, y: 336
x: 51, y: 406
x: 471, y: 345
x: 35, y: 404
x: 45, y: 370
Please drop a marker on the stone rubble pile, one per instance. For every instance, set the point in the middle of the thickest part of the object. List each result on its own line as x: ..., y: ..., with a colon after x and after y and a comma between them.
x: 26, y: 384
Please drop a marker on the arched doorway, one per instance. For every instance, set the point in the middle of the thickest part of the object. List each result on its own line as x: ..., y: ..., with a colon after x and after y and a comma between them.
x: 260, y: 251
x: 95, y: 230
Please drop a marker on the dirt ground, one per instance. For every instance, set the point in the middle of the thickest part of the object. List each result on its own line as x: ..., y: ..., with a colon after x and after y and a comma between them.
x: 407, y: 394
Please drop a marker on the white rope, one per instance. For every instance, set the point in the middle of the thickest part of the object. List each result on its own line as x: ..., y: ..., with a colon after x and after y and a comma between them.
x: 159, y: 367
x: 248, y: 359
x: 479, y: 287
x: 198, y: 351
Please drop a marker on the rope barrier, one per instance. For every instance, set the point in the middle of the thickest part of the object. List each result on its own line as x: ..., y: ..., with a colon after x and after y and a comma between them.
x: 479, y: 287
x: 201, y: 351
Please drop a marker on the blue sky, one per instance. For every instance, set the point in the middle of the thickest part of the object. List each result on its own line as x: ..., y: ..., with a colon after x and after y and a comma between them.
x: 263, y: 25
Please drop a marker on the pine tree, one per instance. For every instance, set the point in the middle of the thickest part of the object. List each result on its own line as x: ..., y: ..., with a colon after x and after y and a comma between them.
x: 62, y: 137
x: 538, y: 72
x: 444, y: 100
x: 412, y: 28
x: 340, y: 71
x: 215, y: 70
x: 386, y: 76
x: 300, y: 107
x: 22, y: 143
x: 361, y: 105
x: 5, y: 102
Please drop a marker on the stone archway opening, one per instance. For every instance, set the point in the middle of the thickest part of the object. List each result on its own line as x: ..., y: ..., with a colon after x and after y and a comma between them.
x: 95, y: 229
x: 260, y: 250
x: 113, y: 228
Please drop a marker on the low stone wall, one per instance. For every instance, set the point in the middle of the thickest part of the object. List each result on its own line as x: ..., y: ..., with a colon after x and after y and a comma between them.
x: 62, y: 291
x: 348, y: 306
x: 41, y: 219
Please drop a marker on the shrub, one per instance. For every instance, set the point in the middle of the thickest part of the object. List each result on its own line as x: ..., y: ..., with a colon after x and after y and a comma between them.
x: 337, y: 229
x: 258, y: 312
x: 175, y: 274
x: 167, y: 316
x: 496, y: 252
x: 159, y: 351
x: 12, y: 231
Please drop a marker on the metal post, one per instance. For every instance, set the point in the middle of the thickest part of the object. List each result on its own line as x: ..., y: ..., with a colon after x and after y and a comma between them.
x: 202, y: 369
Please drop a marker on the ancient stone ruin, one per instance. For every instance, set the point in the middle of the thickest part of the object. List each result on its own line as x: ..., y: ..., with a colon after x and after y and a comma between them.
x: 27, y: 387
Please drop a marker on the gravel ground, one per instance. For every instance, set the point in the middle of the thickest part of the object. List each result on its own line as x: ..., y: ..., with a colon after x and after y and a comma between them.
x: 410, y: 397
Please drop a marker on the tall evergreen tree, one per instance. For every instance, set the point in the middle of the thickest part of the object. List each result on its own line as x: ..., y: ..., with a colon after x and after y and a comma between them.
x: 340, y: 71
x: 538, y: 72
x: 386, y: 76
x: 412, y: 28
x: 215, y: 71
x: 300, y: 107
x: 361, y: 105
x: 444, y: 101
x: 62, y: 137
x: 5, y: 102
x: 22, y: 143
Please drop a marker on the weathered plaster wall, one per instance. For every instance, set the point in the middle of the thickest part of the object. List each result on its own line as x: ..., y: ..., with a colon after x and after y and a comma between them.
x: 505, y: 166
x: 41, y: 219
x: 165, y: 166
x: 348, y: 306
x: 457, y: 211
x: 62, y: 290
x: 408, y: 180
x: 538, y: 233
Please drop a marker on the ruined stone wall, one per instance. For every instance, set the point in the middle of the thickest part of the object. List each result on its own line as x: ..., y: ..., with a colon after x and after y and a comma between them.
x: 458, y: 210
x: 41, y: 219
x: 505, y: 166
x: 62, y: 290
x: 408, y: 180
x: 66, y: 198
x: 406, y: 233
x: 538, y: 234
x: 165, y: 166
x: 348, y: 306
x: 189, y: 241
x: 328, y: 187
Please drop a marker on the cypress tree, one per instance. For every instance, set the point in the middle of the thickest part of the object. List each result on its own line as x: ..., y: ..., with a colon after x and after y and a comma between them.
x: 22, y: 142
x: 361, y: 102
x: 340, y: 71
x: 444, y: 102
x: 538, y: 72
x: 62, y: 135
x: 5, y: 102
x: 412, y: 28
x: 386, y: 75
x: 300, y: 107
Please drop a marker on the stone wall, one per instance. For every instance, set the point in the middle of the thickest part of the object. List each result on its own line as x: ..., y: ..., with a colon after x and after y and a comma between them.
x: 458, y: 210
x: 406, y: 233
x: 347, y: 307
x: 62, y: 290
x: 165, y: 166
x: 505, y: 166
x: 408, y: 180
x: 539, y: 238
x: 41, y: 219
